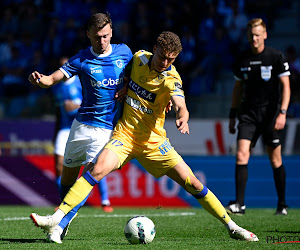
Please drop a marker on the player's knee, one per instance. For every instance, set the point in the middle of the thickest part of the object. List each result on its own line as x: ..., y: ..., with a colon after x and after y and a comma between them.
x: 193, y: 185
x: 276, y: 162
x: 242, y: 155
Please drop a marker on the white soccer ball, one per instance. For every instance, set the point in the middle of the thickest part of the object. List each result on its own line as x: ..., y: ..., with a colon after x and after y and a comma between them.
x: 139, y: 230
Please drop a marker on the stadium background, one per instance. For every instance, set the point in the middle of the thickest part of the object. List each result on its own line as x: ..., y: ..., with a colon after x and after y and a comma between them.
x: 35, y: 34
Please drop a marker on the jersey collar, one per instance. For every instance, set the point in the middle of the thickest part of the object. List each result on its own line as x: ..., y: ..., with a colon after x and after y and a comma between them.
x: 101, y: 55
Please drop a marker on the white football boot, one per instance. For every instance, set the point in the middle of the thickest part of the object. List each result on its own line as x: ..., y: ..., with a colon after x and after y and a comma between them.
x: 47, y: 223
x: 242, y: 234
x: 55, y: 235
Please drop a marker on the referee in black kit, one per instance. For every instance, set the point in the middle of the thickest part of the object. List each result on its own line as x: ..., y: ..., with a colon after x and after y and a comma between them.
x: 261, y: 94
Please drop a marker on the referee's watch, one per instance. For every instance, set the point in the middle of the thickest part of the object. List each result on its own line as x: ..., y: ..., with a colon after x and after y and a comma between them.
x: 283, y: 111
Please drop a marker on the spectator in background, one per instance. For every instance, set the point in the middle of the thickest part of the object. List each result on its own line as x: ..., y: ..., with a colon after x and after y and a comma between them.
x: 52, y: 43
x: 8, y: 23
x: 119, y: 11
x: 139, y: 22
x: 30, y: 21
x: 216, y: 59
x: 28, y: 46
x: 14, y: 87
x: 208, y: 25
x: 235, y: 23
x: 6, y: 45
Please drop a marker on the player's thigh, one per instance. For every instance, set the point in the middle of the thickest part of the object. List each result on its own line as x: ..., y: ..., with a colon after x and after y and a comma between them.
x: 160, y: 160
x: 247, y: 131
x: 60, y: 141
x: 107, y: 162
x: 85, y: 144
x: 122, y: 148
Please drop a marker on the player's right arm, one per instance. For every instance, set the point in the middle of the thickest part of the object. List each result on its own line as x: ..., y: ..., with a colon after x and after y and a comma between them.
x: 235, y: 102
x: 44, y: 81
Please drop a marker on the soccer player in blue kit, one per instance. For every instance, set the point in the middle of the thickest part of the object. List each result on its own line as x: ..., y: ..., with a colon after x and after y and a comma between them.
x: 67, y: 98
x: 101, y: 69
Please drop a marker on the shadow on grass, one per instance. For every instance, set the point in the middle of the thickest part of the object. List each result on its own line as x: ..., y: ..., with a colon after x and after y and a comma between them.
x: 25, y: 240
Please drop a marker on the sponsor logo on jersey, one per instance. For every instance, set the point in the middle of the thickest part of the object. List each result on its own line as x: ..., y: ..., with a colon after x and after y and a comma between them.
x: 68, y: 161
x: 165, y: 147
x: 137, y: 105
x: 141, y: 92
x: 143, y: 59
x: 119, y: 63
x: 106, y: 82
x: 245, y: 69
x: 178, y: 85
x: 255, y: 62
x: 96, y: 70
x: 265, y: 72
x: 159, y: 79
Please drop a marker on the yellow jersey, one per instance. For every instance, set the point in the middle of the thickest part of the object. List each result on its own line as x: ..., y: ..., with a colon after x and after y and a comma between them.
x: 148, y: 94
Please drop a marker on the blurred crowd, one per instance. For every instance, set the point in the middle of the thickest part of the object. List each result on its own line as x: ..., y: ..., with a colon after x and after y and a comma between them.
x: 34, y: 34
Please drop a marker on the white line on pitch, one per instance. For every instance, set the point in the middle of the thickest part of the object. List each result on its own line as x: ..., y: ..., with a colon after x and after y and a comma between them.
x: 111, y: 216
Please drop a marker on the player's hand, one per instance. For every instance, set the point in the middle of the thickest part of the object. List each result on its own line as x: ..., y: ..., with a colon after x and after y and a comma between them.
x: 120, y: 95
x: 169, y: 106
x: 35, y: 77
x: 232, y: 125
x: 280, y: 122
x: 70, y: 106
x: 182, y: 126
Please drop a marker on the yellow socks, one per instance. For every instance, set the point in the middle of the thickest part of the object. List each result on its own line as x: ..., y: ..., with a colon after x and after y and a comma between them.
x: 78, y: 192
x: 212, y: 205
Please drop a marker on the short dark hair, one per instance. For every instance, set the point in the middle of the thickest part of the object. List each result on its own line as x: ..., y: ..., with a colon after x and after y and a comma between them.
x: 99, y: 20
x: 169, y: 42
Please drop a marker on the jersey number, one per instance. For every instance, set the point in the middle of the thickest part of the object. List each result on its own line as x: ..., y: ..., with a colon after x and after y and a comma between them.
x: 116, y: 143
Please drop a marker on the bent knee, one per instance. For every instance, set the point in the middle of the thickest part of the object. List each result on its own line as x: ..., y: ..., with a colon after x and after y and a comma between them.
x: 193, y: 185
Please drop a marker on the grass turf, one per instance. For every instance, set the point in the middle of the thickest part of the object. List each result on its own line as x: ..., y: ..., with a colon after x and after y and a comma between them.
x: 175, y: 229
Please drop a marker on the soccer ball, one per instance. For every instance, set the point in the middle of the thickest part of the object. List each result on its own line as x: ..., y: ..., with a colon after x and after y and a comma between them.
x: 139, y: 230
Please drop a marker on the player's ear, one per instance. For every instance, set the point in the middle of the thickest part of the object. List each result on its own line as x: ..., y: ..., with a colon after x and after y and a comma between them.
x: 265, y: 35
x: 154, y: 49
x: 88, y: 34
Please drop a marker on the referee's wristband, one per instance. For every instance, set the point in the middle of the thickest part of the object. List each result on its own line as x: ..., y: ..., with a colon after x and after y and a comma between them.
x: 232, y: 113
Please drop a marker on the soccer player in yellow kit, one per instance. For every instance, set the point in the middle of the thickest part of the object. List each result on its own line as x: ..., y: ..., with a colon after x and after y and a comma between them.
x: 140, y: 134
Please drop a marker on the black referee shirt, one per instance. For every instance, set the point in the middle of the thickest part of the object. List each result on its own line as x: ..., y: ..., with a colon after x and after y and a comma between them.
x: 260, y: 74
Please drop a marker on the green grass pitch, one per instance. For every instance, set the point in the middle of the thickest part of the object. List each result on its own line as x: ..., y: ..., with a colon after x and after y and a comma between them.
x: 175, y: 229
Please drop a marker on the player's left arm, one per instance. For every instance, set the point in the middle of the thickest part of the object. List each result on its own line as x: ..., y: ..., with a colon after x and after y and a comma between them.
x: 182, y: 114
x: 71, y: 106
x: 286, y: 93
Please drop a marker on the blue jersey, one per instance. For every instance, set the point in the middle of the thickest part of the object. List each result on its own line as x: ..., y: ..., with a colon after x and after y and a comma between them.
x: 67, y: 90
x: 101, y: 77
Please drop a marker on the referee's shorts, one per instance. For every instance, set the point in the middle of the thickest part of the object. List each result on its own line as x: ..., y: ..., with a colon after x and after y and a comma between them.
x: 257, y: 121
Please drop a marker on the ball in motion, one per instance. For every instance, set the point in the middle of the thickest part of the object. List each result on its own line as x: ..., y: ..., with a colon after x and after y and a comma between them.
x: 139, y: 230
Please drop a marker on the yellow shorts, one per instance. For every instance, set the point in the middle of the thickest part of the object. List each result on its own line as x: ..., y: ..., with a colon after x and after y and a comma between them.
x: 157, y: 161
